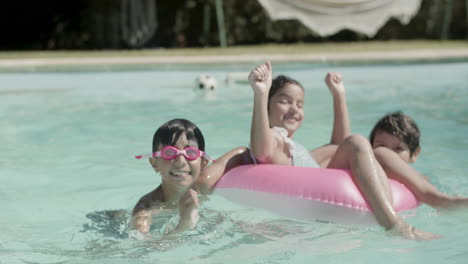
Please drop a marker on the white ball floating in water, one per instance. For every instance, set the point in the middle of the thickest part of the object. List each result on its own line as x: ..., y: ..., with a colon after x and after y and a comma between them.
x: 205, y: 82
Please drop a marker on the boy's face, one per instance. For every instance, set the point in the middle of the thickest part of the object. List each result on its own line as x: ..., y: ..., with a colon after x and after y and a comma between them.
x: 179, y: 172
x: 286, y: 108
x: 384, y: 139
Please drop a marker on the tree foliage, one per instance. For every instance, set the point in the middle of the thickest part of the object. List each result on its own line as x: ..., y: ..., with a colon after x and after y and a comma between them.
x: 122, y: 24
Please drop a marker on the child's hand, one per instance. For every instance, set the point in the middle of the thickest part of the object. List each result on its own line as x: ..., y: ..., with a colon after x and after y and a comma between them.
x: 260, y: 78
x: 333, y: 81
x: 188, y: 209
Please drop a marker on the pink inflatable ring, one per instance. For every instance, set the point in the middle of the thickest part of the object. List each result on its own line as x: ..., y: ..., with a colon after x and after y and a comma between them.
x: 306, y: 193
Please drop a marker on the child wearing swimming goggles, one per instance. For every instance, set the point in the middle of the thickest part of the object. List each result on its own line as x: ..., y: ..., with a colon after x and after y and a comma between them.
x: 179, y: 157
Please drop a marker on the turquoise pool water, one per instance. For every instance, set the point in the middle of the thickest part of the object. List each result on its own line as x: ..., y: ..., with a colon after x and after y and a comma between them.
x: 67, y: 143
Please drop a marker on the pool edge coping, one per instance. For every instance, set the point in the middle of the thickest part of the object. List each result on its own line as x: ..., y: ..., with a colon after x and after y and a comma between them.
x: 21, y: 64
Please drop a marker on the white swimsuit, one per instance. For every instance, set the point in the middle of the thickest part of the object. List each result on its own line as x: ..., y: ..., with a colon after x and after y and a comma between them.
x: 299, y: 154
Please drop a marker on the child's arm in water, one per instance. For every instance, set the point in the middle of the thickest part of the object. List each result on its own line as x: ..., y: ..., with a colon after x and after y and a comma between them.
x: 213, y: 172
x: 264, y: 142
x: 398, y: 169
x: 188, y: 211
x: 144, y: 210
x: 341, y: 124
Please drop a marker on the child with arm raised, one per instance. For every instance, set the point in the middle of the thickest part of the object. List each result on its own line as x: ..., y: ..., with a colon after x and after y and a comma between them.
x: 277, y: 114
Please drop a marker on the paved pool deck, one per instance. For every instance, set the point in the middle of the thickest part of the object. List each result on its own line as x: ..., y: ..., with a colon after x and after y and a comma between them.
x: 455, y: 54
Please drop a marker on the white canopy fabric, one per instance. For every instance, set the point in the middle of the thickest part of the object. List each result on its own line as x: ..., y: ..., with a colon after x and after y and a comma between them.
x: 327, y: 17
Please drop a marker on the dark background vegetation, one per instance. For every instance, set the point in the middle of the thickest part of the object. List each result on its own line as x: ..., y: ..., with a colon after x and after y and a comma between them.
x: 131, y: 24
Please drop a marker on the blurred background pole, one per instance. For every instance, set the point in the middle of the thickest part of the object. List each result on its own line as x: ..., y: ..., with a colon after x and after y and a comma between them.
x: 447, y: 19
x: 220, y: 19
x: 207, y: 23
x: 466, y: 17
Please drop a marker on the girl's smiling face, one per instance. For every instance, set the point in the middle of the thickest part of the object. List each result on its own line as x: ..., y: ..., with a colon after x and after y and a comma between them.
x: 179, y: 172
x: 286, y: 108
x: 385, y: 139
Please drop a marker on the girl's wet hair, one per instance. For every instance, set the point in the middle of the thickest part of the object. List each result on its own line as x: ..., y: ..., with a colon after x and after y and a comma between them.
x: 401, y: 126
x: 279, y: 82
x: 169, y: 133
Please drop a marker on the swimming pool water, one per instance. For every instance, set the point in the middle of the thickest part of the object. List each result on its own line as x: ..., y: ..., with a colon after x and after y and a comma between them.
x: 68, y: 141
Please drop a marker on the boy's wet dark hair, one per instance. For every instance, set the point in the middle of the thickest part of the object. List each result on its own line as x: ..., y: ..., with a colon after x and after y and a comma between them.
x: 401, y: 126
x: 169, y: 133
x: 279, y: 82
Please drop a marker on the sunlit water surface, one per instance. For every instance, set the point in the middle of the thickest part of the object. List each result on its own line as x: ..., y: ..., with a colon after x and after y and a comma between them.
x: 67, y: 142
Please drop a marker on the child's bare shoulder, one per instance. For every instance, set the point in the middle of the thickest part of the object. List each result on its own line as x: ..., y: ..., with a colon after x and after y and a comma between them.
x: 149, y: 200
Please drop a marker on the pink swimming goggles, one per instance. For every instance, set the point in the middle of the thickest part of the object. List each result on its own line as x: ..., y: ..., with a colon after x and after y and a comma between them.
x: 171, y: 152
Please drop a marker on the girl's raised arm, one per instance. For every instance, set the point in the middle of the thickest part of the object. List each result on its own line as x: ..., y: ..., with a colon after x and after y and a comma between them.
x: 341, y: 126
x: 262, y: 140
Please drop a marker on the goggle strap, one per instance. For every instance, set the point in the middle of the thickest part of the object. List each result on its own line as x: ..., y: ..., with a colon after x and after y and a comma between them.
x: 206, y: 156
x: 146, y: 156
x: 158, y: 154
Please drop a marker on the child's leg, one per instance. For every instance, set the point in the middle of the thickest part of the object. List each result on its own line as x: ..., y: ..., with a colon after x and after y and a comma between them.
x: 356, y: 154
x: 399, y: 170
x: 353, y: 154
x: 323, y: 154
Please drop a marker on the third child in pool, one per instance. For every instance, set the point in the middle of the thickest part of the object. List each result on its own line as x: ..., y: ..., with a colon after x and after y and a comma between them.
x: 395, y: 139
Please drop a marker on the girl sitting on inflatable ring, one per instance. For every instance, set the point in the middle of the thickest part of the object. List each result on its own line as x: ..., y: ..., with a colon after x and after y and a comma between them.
x: 277, y: 114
